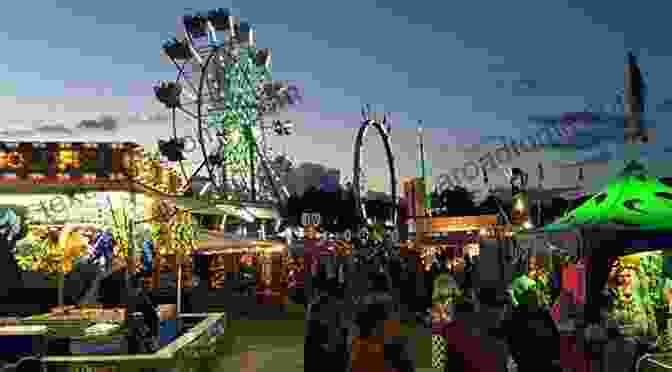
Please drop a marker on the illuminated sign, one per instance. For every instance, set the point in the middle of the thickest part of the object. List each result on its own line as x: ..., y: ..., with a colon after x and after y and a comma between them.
x: 63, y: 161
x: 463, y: 223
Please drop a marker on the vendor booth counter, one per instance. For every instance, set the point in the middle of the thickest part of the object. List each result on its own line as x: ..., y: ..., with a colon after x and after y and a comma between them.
x: 69, y: 339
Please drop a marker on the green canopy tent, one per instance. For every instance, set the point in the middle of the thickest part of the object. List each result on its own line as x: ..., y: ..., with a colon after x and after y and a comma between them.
x: 635, y: 199
x: 632, y: 213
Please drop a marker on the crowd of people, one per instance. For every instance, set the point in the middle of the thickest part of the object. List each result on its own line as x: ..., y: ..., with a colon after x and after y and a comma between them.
x: 484, y: 327
x: 355, y: 332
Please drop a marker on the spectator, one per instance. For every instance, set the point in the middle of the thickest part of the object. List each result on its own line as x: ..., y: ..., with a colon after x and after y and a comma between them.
x: 376, y: 343
x: 468, y: 286
x: 531, y: 325
x: 326, y: 326
x: 473, y: 340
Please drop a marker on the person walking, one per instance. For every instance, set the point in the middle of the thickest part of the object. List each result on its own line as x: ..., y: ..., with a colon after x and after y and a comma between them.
x: 326, y: 325
x: 376, y: 343
x: 446, y: 295
x: 531, y: 325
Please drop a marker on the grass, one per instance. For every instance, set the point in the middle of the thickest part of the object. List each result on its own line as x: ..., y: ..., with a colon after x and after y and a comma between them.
x: 277, y: 345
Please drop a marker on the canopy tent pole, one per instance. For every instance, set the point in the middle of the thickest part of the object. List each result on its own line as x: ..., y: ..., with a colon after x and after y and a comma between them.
x: 179, y: 288
x: 61, y: 284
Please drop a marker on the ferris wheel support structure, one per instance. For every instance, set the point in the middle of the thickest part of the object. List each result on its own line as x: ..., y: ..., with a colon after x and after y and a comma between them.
x: 229, y: 89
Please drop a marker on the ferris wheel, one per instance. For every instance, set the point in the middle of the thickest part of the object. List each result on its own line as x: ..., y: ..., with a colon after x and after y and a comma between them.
x: 223, y: 91
x: 361, y: 152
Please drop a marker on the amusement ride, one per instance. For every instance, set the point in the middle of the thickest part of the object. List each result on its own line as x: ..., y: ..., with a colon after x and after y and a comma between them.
x: 360, y: 187
x: 223, y: 89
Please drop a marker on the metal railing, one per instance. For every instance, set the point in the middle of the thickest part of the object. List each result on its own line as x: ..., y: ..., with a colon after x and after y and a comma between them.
x: 649, y: 359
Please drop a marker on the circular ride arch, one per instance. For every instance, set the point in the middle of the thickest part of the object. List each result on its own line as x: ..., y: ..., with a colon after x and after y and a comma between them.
x: 369, y: 120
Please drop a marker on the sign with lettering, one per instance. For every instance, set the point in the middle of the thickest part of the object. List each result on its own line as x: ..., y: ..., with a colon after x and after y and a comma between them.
x: 519, y: 250
x: 53, y: 208
x: 76, y: 207
x: 347, y: 235
x: 311, y: 219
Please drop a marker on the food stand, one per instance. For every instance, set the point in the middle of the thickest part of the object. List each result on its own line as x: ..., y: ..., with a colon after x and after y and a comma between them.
x: 224, y: 256
x: 616, y: 234
x: 89, y: 328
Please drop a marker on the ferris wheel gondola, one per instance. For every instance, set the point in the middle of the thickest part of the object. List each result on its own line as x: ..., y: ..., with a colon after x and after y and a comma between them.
x: 223, y: 86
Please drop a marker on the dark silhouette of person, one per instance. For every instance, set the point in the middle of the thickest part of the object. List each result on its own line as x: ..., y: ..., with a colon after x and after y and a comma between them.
x: 326, y: 325
x: 529, y: 326
x: 376, y: 343
x: 474, y: 340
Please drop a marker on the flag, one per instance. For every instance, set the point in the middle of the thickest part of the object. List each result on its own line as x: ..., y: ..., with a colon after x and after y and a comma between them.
x: 638, y: 87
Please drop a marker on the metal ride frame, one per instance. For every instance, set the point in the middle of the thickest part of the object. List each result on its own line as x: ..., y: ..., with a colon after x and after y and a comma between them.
x: 369, y: 120
x: 232, y: 91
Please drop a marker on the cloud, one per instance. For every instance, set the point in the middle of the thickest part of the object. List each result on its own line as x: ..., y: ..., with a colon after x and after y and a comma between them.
x: 106, y: 123
x: 51, y: 128
x: 602, y: 157
x: 486, y: 143
x: 17, y: 133
x: 156, y: 116
x: 525, y: 84
x: 469, y: 149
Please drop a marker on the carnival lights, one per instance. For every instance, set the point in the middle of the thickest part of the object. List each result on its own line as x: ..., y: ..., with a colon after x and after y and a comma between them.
x: 224, y: 84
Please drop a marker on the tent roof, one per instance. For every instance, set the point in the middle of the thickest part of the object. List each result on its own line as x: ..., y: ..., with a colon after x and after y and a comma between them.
x: 634, y: 199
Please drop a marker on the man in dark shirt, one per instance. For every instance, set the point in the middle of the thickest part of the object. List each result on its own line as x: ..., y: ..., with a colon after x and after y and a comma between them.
x: 326, y: 326
x: 531, y: 325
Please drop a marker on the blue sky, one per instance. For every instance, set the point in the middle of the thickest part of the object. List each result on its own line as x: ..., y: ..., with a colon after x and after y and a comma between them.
x: 467, y: 69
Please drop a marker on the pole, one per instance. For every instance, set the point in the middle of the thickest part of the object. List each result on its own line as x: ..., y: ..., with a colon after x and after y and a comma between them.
x: 540, y: 221
x: 179, y: 290
x: 61, y: 284
x: 130, y: 261
x: 423, y: 172
x: 253, y: 180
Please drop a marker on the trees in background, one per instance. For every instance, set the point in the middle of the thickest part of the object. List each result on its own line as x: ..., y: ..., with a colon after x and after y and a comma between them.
x: 336, y: 208
x: 457, y: 201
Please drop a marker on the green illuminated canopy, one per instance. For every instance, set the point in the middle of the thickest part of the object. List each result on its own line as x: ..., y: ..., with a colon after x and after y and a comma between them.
x: 633, y: 199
